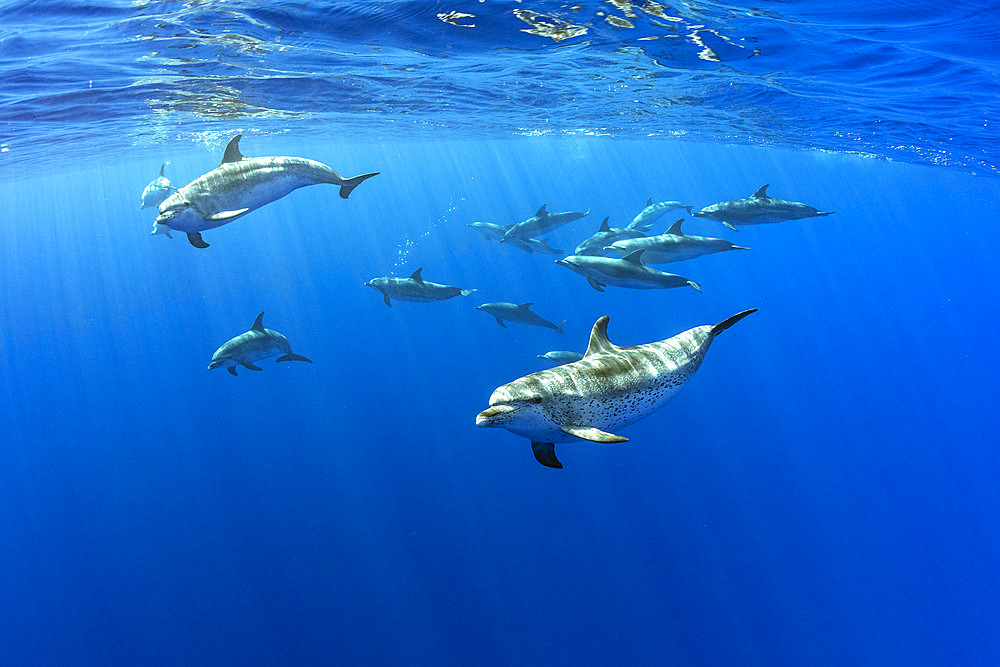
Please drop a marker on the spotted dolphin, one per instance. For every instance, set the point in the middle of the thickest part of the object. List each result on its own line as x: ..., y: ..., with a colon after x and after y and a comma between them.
x: 758, y: 209
x: 541, y: 222
x: 240, y: 185
x: 647, y: 216
x: 674, y: 246
x: 254, y: 345
x: 156, y: 190
x: 415, y: 288
x: 628, y: 271
x: 503, y: 311
x: 605, y: 236
x: 611, y: 387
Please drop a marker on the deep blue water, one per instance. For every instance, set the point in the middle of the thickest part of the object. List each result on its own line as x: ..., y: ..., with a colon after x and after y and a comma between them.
x: 823, y: 491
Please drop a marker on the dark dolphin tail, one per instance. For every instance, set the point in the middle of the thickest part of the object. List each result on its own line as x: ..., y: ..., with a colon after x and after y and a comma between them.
x: 725, y: 324
x: 349, y: 184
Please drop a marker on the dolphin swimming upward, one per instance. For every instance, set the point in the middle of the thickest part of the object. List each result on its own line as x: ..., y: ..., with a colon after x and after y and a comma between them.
x: 240, y: 185
x: 609, y: 388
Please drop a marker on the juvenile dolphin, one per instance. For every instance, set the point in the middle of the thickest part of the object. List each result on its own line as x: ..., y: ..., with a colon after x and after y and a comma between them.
x: 629, y: 271
x: 558, y: 357
x: 541, y: 222
x: 647, y: 216
x: 674, y: 246
x: 503, y: 311
x: 494, y: 232
x: 156, y: 191
x: 254, y: 345
x: 758, y: 209
x: 240, y: 185
x: 415, y: 288
x: 605, y: 236
x: 610, y: 388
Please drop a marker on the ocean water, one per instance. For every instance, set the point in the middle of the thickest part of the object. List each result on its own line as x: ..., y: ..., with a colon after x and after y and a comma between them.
x: 822, y: 492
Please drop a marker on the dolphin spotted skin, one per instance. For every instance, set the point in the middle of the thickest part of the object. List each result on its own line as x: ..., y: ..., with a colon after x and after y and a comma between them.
x: 541, y: 222
x: 495, y: 232
x: 504, y: 311
x: 240, y: 185
x: 156, y: 191
x: 647, y: 216
x: 415, y: 288
x: 558, y: 357
x: 610, y: 388
x: 628, y: 271
x: 758, y: 209
x: 605, y: 236
x: 254, y: 345
x: 674, y: 246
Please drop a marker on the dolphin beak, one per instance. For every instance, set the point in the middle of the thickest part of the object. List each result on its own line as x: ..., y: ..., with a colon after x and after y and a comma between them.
x: 487, y: 417
x: 563, y: 262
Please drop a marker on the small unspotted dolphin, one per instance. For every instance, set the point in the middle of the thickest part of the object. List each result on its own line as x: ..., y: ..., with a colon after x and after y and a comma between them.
x: 758, y: 209
x: 415, y: 288
x: 156, y: 191
x: 605, y: 236
x: 240, y: 185
x: 628, y: 271
x: 254, y: 345
x: 558, y: 357
x: 494, y: 232
x: 674, y: 246
x: 610, y: 388
x: 647, y: 216
x: 541, y: 222
x: 503, y: 311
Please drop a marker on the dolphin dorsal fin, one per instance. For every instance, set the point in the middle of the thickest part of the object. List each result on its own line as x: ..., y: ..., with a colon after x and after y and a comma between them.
x: 604, y: 225
x: 526, y: 306
x: 599, y: 339
x: 542, y: 211
x: 675, y: 228
x: 416, y: 275
x: 634, y: 257
x: 761, y: 191
x: 161, y: 168
x: 232, y: 153
x: 258, y: 324
x: 649, y: 201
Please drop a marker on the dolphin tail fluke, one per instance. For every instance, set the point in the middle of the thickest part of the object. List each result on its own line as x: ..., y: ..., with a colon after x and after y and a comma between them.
x: 467, y: 292
x: 545, y: 453
x: 348, y: 186
x: 196, y: 240
x: 688, y: 210
x: 559, y: 329
x: 291, y: 356
x: 694, y: 285
x: 725, y: 324
x: 730, y: 226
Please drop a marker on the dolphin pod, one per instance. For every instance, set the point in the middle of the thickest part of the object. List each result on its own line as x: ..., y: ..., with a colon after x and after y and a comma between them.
x: 240, y: 185
x: 611, y: 387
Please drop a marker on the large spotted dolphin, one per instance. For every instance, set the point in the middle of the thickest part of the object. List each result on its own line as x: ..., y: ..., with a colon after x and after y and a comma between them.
x: 240, y: 185
x: 609, y: 388
x: 758, y: 209
x: 254, y: 345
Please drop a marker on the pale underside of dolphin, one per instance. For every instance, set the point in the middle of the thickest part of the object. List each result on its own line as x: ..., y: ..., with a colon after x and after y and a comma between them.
x: 240, y: 185
x: 611, y: 387
x: 758, y: 209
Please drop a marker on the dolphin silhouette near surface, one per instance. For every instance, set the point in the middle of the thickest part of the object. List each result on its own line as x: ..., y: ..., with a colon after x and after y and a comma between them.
x: 240, y: 185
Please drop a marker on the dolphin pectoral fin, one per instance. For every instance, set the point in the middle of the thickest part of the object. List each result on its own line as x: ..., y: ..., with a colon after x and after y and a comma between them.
x: 291, y: 356
x: 592, y: 434
x: 385, y: 297
x: 694, y: 285
x: 232, y: 370
x: 500, y: 322
x: 247, y: 364
x: 347, y: 187
x: 730, y: 226
x: 593, y: 283
x: 226, y: 215
x: 545, y: 453
x: 168, y: 235
x: 196, y: 240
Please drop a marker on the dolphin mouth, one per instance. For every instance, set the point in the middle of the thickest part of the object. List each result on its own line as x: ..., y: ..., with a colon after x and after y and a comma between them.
x: 563, y: 262
x: 488, y: 417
